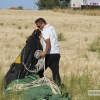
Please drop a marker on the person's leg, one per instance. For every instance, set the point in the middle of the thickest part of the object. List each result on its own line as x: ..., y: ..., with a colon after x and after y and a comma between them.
x: 40, y: 73
x: 54, y: 66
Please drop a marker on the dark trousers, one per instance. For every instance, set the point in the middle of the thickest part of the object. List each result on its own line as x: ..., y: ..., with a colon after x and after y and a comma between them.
x: 52, y: 61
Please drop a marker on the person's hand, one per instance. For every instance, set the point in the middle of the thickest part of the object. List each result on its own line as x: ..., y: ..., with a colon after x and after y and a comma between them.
x: 43, y: 54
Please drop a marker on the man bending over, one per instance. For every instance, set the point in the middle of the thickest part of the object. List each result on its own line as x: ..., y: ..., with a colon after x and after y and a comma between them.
x: 50, y: 49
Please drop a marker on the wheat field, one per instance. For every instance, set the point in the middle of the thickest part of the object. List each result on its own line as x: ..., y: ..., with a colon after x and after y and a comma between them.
x: 79, y: 30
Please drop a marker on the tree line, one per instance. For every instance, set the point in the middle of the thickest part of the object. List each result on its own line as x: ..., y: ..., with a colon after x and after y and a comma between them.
x: 50, y: 4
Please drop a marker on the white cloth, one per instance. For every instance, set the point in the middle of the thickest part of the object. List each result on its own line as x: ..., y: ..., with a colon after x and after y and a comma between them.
x: 50, y: 32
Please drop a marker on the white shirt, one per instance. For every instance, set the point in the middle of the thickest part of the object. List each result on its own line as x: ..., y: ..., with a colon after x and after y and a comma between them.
x: 50, y: 32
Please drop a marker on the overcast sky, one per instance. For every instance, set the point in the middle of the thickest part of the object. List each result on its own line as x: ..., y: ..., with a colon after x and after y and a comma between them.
x: 27, y: 4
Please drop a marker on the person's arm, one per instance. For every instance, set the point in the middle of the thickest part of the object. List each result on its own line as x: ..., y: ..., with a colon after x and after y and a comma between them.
x: 48, y: 45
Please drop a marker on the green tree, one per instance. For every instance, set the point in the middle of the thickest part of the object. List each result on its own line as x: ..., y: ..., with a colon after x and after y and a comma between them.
x: 64, y: 4
x: 47, y: 4
x: 20, y: 8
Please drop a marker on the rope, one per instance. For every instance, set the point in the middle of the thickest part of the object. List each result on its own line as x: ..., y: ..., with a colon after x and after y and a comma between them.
x: 39, y: 65
x: 37, y: 54
x: 44, y: 66
x: 39, y: 82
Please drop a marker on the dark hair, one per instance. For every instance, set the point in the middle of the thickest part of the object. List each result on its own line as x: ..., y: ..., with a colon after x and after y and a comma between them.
x: 40, y: 20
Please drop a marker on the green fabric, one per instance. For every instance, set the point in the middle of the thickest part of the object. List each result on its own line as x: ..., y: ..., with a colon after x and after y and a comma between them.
x: 36, y: 93
x: 25, y: 80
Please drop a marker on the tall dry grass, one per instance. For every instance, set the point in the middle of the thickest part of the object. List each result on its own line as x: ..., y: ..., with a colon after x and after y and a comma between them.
x: 78, y: 11
x: 4, y: 95
x: 79, y: 31
x: 78, y: 86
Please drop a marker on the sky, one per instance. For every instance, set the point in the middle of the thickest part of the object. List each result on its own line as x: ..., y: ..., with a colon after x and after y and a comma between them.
x: 27, y: 4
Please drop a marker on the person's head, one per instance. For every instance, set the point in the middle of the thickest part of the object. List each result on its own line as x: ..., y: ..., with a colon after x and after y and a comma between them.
x: 40, y: 23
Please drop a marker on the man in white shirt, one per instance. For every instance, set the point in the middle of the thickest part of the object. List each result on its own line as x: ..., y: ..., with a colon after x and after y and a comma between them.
x: 50, y: 48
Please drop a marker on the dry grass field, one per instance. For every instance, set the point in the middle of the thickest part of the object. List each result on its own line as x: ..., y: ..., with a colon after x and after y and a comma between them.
x: 90, y: 12
x: 79, y: 30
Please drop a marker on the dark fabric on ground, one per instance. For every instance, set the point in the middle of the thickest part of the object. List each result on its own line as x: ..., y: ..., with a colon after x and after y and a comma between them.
x: 18, y: 71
